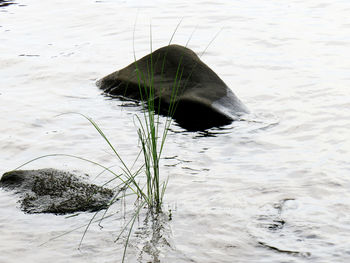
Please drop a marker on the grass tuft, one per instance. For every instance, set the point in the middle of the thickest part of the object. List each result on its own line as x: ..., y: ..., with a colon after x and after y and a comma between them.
x: 152, y: 137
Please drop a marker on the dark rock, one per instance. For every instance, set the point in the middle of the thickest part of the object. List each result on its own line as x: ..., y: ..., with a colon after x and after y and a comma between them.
x: 203, y: 100
x: 54, y: 191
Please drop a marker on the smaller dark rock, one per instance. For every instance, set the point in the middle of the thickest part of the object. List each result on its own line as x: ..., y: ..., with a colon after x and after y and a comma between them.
x: 54, y: 191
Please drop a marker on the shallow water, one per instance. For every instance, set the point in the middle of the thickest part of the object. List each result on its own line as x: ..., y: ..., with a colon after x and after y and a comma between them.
x: 273, y: 188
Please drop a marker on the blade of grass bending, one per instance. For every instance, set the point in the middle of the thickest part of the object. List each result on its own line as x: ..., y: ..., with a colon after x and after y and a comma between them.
x: 104, y: 170
x: 131, y: 227
x: 86, y: 228
x: 115, y: 197
x: 165, y: 184
x: 80, y: 158
x: 103, y: 136
x: 106, y: 139
x: 189, y: 39
x: 131, y: 178
x: 111, y: 203
x: 195, y: 65
x: 126, y: 225
x: 145, y: 140
x: 70, y: 231
x: 172, y: 106
x: 126, y: 170
x: 211, y: 41
x: 147, y: 162
x: 177, y: 26
x: 133, y: 35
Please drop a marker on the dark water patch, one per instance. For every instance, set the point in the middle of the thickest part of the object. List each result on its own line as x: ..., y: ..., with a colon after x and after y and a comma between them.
x: 273, y: 220
x: 273, y: 230
x: 214, y: 132
x: 191, y: 169
x: 173, y: 161
x: 4, y: 3
x: 28, y: 55
x: 258, y: 122
x: 289, y: 252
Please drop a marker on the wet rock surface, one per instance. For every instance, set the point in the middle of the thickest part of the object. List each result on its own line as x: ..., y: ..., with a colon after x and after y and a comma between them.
x: 54, y: 191
x: 202, y: 99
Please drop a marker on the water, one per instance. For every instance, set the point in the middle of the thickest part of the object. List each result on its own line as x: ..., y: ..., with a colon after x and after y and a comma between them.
x: 274, y: 188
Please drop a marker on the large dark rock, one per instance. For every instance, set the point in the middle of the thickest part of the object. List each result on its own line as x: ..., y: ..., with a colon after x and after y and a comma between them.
x: 54, y: 191
x: 203, y: 100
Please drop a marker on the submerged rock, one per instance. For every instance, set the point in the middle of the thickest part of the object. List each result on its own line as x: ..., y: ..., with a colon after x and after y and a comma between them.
x: 203, y: 100
x: 54, y: 191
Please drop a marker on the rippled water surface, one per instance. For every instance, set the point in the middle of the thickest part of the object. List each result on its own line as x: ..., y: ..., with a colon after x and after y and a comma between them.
x: 273, y: 188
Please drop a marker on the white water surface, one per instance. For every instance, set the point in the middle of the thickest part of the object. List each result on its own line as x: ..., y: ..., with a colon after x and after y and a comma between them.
x: 273, y: 188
